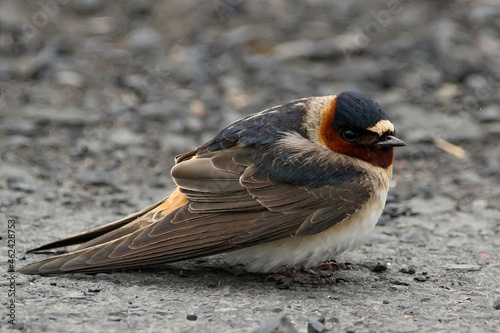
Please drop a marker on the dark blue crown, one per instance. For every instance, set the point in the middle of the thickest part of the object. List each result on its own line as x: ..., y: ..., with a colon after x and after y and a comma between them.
x: 355, y: 110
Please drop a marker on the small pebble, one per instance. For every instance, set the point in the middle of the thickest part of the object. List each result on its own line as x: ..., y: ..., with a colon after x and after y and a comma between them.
x: 385, y: 302
x: 23, y: 187
x: 191, y: 317
x: 496, y: 305
x: 11, y: 14
x: 69, y: 78
x: 408, y: 270
x: 490, y: 113
x: 421, y: 278
x: 48, y: 193
x: 378, y: 267
x: 143, y: 38
x: 316, y: 327
x: 285, y: 283
x: 17, y: 326
x: 279, y: 324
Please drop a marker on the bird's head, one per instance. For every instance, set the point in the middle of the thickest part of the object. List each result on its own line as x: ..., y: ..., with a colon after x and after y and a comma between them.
x: 355, y: 125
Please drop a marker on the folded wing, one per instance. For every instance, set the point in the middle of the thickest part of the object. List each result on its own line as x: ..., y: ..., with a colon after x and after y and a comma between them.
x: 225, y: 201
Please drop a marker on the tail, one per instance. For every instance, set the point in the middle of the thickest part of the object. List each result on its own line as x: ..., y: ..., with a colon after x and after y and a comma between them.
x: 97, y: 238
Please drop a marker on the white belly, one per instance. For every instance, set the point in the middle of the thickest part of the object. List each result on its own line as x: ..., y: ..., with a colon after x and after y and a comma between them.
x: 307, y: 251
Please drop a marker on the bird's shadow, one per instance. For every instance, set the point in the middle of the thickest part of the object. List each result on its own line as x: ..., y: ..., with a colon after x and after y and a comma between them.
x: 211, y: 272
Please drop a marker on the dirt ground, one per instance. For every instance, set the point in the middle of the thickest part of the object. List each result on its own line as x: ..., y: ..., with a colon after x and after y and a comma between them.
x: 97, y: 97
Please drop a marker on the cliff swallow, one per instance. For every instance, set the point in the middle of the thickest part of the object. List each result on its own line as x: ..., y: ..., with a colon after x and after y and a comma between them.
x: 294, y: 185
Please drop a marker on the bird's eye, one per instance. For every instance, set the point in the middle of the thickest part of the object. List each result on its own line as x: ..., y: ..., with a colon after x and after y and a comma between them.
x: 349, y: 135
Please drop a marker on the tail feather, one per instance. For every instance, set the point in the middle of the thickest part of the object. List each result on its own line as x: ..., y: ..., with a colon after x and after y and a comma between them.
x: 57, y: 265
x: 98, y: 259
x: 99, y: 243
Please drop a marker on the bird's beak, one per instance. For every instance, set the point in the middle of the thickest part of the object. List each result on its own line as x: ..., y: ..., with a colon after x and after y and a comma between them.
x: 389, y: 142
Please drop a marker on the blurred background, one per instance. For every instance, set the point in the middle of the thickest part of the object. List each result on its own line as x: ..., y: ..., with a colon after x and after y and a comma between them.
x: 86, y: 80
x: 97, y: 97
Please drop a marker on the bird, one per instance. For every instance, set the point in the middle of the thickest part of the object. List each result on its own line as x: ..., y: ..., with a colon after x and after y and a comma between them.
x: 291, y: 186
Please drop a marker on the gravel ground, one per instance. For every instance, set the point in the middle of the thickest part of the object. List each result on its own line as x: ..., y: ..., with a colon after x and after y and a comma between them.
x: 96, y: 98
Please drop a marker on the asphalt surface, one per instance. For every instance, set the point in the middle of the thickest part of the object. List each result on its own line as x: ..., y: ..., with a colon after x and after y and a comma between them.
x: 96, y: 98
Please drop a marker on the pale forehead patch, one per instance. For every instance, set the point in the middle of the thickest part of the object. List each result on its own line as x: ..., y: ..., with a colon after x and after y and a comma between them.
x: 382, y: 127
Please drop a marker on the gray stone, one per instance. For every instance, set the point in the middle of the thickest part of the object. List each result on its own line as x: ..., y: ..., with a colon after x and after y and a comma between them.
x: 143, y: 38
x: 93, y: 178
x: 191, y: 317
x: 125, y: 137
x: 279, y: 324
x: 491, y: 113
x: 48, y: 193
x: 70, y: 78
x: 11, y: 14
x: 19, y: 186
x: 21, y: 127
x: 316, y: 327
